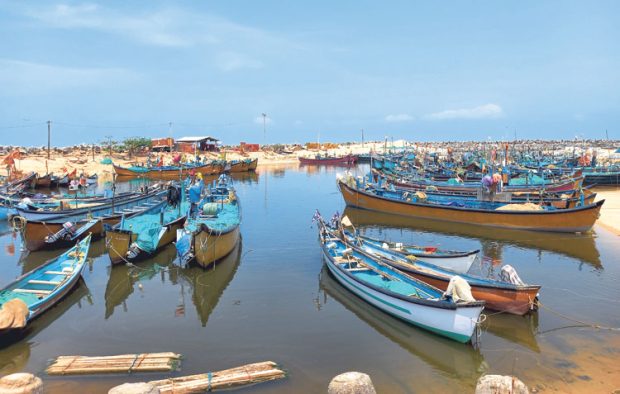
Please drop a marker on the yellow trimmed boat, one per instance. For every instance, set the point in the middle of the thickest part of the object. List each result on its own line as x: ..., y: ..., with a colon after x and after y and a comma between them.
x: 212, y: 232
x: 579, y: 219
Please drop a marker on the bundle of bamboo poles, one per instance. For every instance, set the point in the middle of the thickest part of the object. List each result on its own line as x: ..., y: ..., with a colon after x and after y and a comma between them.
x: 127, y: 363
x: 228, y: 378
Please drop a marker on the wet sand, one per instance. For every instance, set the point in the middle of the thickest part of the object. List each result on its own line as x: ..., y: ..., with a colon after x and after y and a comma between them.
x: 610, y: 213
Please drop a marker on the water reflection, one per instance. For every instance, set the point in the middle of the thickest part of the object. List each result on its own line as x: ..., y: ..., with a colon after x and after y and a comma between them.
x: 123, y: 279
x: 521, y: 330
x: 580, y: 246
x: 208, y: 285
x: 16, y: 349
x: 449, y: 357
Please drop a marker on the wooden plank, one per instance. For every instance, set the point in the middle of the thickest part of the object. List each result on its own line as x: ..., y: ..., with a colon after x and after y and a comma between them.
x: 44, y: 282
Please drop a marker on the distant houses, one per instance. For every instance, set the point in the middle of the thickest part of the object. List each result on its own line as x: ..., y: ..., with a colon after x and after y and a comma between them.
x: 186, y: 144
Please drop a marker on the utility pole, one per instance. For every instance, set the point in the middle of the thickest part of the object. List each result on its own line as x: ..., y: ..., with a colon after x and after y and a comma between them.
x: 49, y: 133
x: 606, y: 135
x: 264, y: 129
x: 170, y: 136
x: 362, y: 138
x: 109, y: 138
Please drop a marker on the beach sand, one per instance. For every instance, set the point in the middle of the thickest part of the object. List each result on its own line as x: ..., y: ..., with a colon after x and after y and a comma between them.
x: 610, y: 212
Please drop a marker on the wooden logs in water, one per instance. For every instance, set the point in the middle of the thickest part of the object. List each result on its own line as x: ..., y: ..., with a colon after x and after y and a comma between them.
x: 126, y: 363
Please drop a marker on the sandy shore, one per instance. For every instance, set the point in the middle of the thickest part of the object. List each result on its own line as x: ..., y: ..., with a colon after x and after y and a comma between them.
x: 85, y: 162
x: 610, y: 212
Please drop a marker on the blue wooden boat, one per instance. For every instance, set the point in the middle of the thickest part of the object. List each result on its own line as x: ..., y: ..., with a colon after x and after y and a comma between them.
x: 393, y: 292
x: 212, y: 232
x: 43, y: 287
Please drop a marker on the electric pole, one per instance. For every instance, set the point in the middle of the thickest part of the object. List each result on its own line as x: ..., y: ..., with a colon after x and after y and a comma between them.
x: 264, y: 129
x: 362, y: 138
x: 49, y: 133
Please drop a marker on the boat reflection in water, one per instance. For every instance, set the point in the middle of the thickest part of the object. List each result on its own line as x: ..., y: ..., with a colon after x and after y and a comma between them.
x: 123, y: 278
x: 580, y: 246
x: 16, y: 349
x: 521, y: 330
x: 207, y: 284
x: 448, y: 356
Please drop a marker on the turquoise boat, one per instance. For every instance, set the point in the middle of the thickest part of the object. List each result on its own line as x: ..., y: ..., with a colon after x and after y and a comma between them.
x: 45, y: 286
x: 142, y: 234
x: 393, y: 292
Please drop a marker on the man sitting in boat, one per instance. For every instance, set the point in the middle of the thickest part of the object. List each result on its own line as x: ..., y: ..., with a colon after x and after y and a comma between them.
x: 195, y: 192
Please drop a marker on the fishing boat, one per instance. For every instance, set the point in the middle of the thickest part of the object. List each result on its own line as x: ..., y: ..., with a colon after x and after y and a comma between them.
x: 398, y: 294
x: 45, y: 286
x: 171, y: 172
x: 346, y: 160
x: 457, y: 261
x: 212, y: 232
x: 141, y: 234
x: 35, y: 232
x: 84, y: 207
x: 15, y: 185
x: 515, y: 298
x: 243, y: 165
x: 579, y: 219
x: 43, y: 181
x: 452, y: 358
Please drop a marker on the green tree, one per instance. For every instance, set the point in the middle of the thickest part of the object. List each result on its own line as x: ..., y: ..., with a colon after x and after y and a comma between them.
x: 135, y: 144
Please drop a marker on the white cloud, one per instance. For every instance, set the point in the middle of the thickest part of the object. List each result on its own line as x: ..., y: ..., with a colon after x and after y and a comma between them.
x: 231, y: 61
x: 259, y: 120
x: 398, y: 118
x: 487, y: 111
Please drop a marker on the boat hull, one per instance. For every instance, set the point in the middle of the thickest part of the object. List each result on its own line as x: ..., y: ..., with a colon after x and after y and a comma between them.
x: 346, y: 160
x: 209, y: 246
x: 457, y: 324
x: 118, y: 241
x: 34, y: 232
x: 568, y: 220
x: 170, y: 174
x: 244, y: 166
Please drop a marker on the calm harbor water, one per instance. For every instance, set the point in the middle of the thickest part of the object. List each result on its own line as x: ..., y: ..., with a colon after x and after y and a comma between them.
x: 271, y: 299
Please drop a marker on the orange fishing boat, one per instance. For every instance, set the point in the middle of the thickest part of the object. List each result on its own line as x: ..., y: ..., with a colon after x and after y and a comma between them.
x: 243, y: 165
x: 579, y: 219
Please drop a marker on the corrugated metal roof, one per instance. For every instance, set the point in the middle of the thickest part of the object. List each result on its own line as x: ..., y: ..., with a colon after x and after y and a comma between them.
x: 197, y: 139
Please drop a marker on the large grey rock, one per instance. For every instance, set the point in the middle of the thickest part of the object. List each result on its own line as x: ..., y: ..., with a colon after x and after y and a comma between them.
x: 134, y: 388
x: 351, y: 383
x: 500, y: 384
x: 21, y: 383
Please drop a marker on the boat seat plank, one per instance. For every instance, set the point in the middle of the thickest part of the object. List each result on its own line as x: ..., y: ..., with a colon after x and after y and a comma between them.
x: 44, y: 282
x: 57, y: 273
x: 32, y: 291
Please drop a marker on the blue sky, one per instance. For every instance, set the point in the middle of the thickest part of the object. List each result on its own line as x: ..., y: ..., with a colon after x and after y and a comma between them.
x: 415, y: 70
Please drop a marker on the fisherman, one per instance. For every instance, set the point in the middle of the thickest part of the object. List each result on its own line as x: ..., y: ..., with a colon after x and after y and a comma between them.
x: 195, y: 192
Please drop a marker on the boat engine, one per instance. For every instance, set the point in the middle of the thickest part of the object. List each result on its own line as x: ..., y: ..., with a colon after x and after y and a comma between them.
x: 66, y: 233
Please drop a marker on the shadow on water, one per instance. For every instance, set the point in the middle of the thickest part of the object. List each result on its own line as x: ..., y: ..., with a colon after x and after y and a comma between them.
x: 207, y: 285
x: 580, y: 246
x: 452, y: 358
x: 16, y: 349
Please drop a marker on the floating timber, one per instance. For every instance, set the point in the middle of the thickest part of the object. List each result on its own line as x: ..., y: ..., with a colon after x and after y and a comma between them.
x: 125, y: 363
x: 221, y: 380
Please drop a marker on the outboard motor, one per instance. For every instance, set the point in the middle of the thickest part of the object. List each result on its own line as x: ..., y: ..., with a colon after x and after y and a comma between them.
x: 66, y: 233
x: 173, y: 197
x: 133, y: 252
